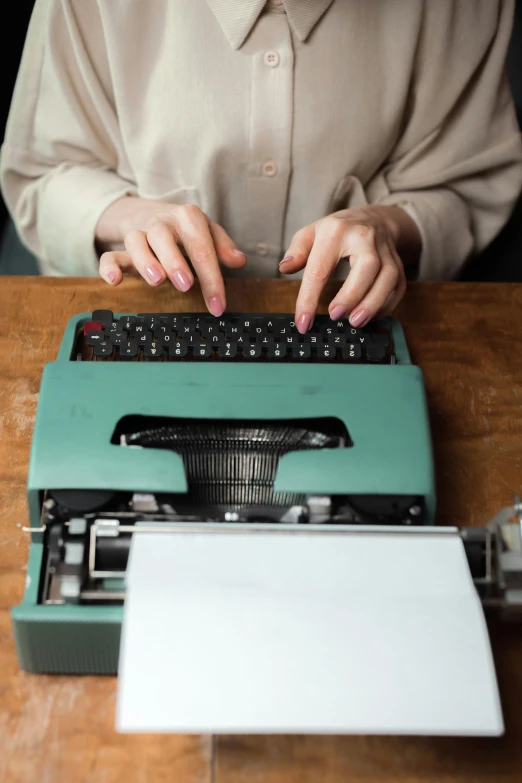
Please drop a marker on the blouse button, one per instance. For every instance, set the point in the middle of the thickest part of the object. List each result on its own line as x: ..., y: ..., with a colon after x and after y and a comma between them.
x: 262, y: 249
x: 272, y: 59
x: 269, y: 168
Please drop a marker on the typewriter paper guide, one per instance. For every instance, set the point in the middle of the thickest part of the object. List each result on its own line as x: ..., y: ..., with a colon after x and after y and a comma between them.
x: 304, y: 633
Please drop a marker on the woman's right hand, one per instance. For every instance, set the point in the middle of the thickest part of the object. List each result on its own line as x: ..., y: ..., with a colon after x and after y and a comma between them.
x: 155, y: 235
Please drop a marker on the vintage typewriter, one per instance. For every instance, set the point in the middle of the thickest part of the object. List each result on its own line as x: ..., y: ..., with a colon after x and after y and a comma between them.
x: 151, y: 421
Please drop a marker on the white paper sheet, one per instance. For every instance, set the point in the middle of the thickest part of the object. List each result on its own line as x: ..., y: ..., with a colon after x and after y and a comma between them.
x: 285, y: 632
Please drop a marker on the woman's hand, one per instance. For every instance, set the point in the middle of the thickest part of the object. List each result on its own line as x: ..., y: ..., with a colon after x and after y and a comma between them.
x: 155, y: 235
x: 371, y: 238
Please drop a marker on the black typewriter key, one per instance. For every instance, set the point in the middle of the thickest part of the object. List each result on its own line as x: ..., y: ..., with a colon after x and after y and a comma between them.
x: 336, y: 341
x: 178, y: 350
x: 259, y: 331
x: 166, y: 338
x: 301, y: 351
x: 265, y: 340
x: 325, y: 353
x: 233, y: 331
x: 277, y: 351
x: 128, y: 351
x: 328, y: 329
x: 153, y: 350
x: 138, y: 328
x: 209, y: 330
x: 143, y: 339
x: 252, y: 350
x: 291, y: 339
x: 172, y: 322
x: 119, y: 338
x: 352, y: 352
x: 153, y: 320
x: 104, y: 349
x: 375, y: 352
x: 202, y: 351
x: 104, y: 316
x: 227, y: 350
x: 162, y: 328
x: 242, y: 339
x: 95, y: 338
x: 126, y: 322
x: 246, y: 324
x: 187, y: 330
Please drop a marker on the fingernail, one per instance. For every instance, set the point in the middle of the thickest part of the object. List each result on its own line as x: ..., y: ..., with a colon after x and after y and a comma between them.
x: 112, y: 276
x: 285, y: 259
x: 182, y: 281
x: 239, y: 253
x: 215, y: 306
x: 303, y: 324
x: 359, y: 318
x: 337, y: 312
x: 153, y: 273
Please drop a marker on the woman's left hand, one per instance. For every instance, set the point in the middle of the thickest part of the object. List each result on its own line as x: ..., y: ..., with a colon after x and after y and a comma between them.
x: 369, y: 237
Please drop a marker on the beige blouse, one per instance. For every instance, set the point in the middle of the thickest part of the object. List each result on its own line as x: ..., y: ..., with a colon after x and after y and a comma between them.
x: 266, y: 115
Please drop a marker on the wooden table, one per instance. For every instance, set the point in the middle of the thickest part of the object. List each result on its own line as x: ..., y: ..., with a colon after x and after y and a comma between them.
x: 468, y: 340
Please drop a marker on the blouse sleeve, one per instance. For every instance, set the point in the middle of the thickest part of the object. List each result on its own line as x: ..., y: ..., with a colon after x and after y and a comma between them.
x: 457, y: 169
x: 60, y: 154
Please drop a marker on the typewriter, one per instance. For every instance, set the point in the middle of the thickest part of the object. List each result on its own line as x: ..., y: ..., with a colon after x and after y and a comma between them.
x: 156, y: 420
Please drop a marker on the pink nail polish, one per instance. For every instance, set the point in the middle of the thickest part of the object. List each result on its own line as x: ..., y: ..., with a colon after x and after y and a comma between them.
x: 286, y: 258
x: 338, y: 312
x: 303, y: 324
x: 182, y: 281
x: 153, y: 273
x: 359, y: 318
x: 215, y: 306
x: 112, y: 276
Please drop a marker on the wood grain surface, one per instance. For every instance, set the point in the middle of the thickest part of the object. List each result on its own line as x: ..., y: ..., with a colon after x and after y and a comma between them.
x: 468, y: 340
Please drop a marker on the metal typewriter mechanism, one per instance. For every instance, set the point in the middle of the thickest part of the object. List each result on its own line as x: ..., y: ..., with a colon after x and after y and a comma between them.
x: 182, y: 422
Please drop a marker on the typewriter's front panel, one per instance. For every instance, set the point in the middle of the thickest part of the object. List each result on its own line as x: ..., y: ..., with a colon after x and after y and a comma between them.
x: 119, y: 446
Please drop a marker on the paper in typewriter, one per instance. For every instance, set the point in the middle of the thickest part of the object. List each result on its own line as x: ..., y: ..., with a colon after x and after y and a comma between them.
x: 301, y: 632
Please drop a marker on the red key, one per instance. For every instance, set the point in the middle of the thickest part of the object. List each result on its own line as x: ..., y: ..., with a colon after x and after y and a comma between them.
x: 92, y: 326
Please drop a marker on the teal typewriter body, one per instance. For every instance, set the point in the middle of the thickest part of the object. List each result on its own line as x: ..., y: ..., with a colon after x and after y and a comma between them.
x: 128, y: 436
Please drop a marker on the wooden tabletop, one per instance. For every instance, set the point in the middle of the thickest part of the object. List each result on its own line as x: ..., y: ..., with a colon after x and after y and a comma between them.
x: 468, y: 340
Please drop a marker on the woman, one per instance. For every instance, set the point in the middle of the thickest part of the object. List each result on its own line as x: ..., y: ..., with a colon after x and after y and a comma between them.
x: 227, y: 131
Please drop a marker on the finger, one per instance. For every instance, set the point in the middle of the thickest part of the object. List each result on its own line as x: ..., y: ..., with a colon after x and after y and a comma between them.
x: 322, y: 260
x: 364, y: 268
x: 114, y: 264
x: 397, y: 294
x: 226, y: 249
x: 384, y: 284
x: 194, y: 233
x: 144, y: 259
x: 163, y: 242
x: 297, y: 254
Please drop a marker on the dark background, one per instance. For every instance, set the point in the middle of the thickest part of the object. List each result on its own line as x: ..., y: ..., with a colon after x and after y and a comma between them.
x: 501, y: 261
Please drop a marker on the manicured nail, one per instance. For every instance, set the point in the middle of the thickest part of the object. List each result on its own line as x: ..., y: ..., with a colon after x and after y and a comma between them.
x: 112, y: 276
x: 154, y: 274
x: 215, y: 306
x: 285, y: 259
x: 359, y: 318
x: 303, y: 324
x: 337, y: 312
x: 182, y: 281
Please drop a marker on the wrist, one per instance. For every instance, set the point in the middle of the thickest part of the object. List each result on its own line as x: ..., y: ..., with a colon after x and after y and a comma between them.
x: 404, y: 232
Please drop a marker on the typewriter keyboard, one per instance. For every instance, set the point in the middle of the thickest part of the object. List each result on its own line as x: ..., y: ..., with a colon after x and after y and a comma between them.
x: 234, y: 337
